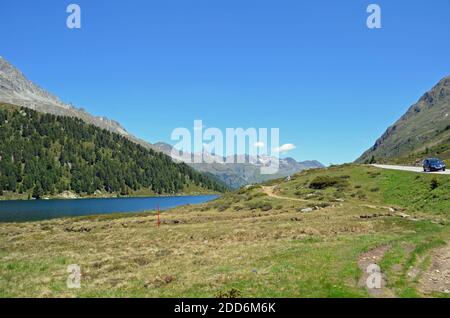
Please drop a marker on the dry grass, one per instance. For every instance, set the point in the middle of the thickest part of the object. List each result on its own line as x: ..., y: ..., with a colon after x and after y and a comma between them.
x: 201, y: 252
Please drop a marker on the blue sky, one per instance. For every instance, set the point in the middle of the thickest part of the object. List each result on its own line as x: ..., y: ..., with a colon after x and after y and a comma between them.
x: 311, y: 68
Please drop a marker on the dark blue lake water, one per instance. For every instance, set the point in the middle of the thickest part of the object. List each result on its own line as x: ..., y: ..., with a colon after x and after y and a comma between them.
x: 23, y: 211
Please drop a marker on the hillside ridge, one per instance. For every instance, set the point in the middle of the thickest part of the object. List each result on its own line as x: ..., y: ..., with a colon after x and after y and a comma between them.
x: 423, y: 131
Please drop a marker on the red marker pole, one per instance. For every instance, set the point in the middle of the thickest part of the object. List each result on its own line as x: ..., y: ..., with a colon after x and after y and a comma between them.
x: 158, y: 222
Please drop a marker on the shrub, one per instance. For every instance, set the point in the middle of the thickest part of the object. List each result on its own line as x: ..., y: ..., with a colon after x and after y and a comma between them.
x: 266, y: 207
x: 360, y: 194
x: 251, y: 205
x: 242, y: 191
x: 373, y: 174
x: 253, y: 187
x: 323, y: 182
x: 434, y: 184
x: 260, y: 194
x: 232, y: 293
x: 223, y: 207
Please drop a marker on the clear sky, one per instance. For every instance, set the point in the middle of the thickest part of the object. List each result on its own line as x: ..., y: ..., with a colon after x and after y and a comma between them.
x: 311, y: 68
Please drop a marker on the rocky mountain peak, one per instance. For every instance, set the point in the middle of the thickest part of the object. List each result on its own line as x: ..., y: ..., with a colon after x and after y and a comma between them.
x: 16, y: 89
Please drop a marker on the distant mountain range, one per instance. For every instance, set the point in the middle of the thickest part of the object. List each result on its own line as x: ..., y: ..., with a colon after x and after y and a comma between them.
x: 16, y: 89
x: 236, y: 175
x: 423, y: 131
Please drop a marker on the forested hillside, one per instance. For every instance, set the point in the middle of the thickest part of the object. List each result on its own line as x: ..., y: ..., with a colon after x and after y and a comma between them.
x: 43, y: 154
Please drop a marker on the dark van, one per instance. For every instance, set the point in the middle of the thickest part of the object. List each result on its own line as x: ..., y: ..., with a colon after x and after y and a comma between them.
x: 433, y: 164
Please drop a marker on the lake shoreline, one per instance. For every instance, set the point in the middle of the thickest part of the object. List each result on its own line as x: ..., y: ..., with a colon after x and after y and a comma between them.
x: 21, y: 211
x: 58, y: 197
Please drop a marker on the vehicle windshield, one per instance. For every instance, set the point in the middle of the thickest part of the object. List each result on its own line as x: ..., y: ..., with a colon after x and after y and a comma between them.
x: 435, y: 161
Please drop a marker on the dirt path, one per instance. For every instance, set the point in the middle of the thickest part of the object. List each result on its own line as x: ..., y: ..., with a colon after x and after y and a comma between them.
x: 367, y: 262
x: 270, y: 191
x: 437, y: 277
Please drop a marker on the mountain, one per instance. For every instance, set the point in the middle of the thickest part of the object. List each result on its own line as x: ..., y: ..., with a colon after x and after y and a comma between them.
x: 236, y: 175
x: 44, y: 154
x: 423, y: 131
x: 16, y: 89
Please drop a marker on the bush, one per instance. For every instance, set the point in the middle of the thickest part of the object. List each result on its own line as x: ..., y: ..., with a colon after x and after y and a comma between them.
x: 253, y: 187
x: 373, y: 174
x: 361, y: 195
x: 259, y: 195
x: 242, y: 191
x: 205, y: 208
x: 323, y: 182
x: 223, y: 207
x: 266, y: 207
x: 434, y: 184
x: 251, y: 205
x: 232, y: 293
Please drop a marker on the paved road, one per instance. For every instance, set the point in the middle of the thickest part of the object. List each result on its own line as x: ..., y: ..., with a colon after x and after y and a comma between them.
x: 409, y: 168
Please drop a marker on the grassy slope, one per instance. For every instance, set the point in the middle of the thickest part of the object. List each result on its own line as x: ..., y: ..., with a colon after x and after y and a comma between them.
x: 440, y: 150
x: 245, y: 243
